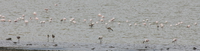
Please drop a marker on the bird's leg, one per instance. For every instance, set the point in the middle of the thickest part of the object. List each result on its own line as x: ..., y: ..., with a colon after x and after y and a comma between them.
x: 53, y: 39
x: 100, y: 41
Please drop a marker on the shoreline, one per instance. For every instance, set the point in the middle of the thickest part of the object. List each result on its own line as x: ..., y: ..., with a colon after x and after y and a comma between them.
x: 9, y: 45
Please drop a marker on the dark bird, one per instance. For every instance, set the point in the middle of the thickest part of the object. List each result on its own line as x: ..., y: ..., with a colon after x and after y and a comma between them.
x: 109, y: 29
x: 15, y: 42
x: 18, y: 37
x: 157, y: 26
x: 61, y: 20
x: 48, y: 38
x: 9, y: 39
x: 194, y: 48
x: 92, y: 48
x: 91, y: 25
x: 167, y: 48
x: 53, y: 36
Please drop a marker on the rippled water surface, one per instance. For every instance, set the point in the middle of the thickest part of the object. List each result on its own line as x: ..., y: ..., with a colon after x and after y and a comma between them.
x: 178, y: 13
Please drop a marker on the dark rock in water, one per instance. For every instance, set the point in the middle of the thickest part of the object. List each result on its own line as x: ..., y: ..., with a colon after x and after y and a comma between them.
x: 93, y: 48
x: 9, y: 39
x: 194, y: 48
x: 111, y: 47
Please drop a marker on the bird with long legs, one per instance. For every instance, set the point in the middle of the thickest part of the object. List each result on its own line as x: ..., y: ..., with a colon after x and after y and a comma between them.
x: 53, y: 36
x: 26, y: 22
x: 100, y: 38
x: 47, y: 38
x: 174, y: 41
x: 18, y: 37
x: 145, y: 41
x: 91, y: 25
x: 34, y: 13
x: 46, y: 9
x: 109, y: 28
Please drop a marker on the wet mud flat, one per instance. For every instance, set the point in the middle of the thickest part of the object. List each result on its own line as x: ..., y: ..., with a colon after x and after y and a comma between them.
x: 65, y: 46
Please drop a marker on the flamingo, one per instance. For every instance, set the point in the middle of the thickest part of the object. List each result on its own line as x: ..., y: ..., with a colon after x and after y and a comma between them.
x: 3, y: 16
x: 102, y: 16
x: 118, y: 23
x: 161, y: 25
x: 144, y: 24
x: 174, y: 40
x: 34, y: 13
x: 188, y: 26
x: 166, y: 21
x: 23, y: 15
x: 100, y: 38
x: 26, y: 22
x: 84, y: 20
x: 145, y: 41
x: 46, y: 9
x: 101, y: 20
x: 91, y: 25
x: 64, y: 19
x: 99, y: 15
x: 135, y: 24
x: 3, y: 20
x: 56, y: 4
x: 147, y: 20
x: 9, y: 20
x: 130, y: 25
x: 195, y: 23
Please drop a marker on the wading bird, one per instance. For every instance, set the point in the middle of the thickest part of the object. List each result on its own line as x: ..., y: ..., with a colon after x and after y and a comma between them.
x: 53, y: 36
x: 174, y: 40
x: 48, y: 38
x: 100, y: 38
x: 18, y: 37
x: 109, y: 28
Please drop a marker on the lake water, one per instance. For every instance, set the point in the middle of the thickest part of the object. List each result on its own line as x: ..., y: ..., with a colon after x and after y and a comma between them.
x: 178, y: 13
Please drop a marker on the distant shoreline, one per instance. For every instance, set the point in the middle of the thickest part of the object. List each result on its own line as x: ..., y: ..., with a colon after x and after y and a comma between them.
x: 9, y: 45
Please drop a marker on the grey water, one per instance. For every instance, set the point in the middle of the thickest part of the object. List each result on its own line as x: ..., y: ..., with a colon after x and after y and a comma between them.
x: 131, y: 14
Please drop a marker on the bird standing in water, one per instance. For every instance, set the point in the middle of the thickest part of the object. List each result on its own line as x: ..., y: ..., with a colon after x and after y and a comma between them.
x: 48, y: 38
x: 53, y: 36
x: 145, y: 41
x: 100, y: 38
x: 18, y: 37
x: 91, y: 25
x: 174, y: 40
x: 109, y: 28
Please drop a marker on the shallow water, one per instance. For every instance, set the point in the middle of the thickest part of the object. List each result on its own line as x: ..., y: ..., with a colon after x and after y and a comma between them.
x: 135, y: 11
